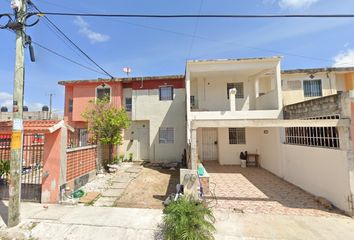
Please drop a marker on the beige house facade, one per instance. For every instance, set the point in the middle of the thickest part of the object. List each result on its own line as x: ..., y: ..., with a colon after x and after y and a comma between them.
x: 298, y: 122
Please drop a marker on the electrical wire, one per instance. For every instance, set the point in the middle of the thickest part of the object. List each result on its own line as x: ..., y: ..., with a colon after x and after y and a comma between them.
x: 66, y: 58
x: 195, y: 29
x: 196, y: 15
x: 61, y: 55
x: 195, y: 36
x: 74, y: 44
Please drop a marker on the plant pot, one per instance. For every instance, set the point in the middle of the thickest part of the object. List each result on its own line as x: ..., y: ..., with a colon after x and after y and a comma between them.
x: 243, y: 163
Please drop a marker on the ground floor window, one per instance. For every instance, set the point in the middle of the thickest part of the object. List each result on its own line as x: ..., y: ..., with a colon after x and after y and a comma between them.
x: 237, y: 136
x: 166, y: 135
x: 313, y: 136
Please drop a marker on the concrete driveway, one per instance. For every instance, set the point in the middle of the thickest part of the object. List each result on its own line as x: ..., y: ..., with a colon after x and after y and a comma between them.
x: 58, y: 222
x: 255, y: 190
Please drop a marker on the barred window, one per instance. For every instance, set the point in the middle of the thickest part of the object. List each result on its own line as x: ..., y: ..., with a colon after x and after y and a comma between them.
x: 327, y: 137
x: 166, y: 93
x: 166, y: 135
x: 239, y: 88
x: 128, y: 104
x: 312, y: 88
x: 103, y: 92
x: 237, y: 136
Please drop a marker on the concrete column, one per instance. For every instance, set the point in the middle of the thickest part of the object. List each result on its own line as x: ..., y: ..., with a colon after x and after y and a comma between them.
x: 51, y: 168
x: 232, y: 98
x: 194, y: 150
x: 256, y: 87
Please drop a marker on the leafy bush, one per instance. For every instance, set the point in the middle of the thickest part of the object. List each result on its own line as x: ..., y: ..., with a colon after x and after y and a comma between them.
x: 131, y: 157
x: 187, y: 219
x: 4, y: 168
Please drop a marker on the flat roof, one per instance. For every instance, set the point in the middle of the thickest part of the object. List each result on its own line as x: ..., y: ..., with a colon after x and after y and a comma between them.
x: 127, y: 79
x: 315, y: 70
x: 234, y: 59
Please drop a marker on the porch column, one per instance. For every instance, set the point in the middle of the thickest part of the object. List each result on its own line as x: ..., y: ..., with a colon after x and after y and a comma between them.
x: 232, y: 97
x: 194, y: 150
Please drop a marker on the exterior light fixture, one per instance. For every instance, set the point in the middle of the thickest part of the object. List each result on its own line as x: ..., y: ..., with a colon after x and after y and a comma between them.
x: 312, y: 76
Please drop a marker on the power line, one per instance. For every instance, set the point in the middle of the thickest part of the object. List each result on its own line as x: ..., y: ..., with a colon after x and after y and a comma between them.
x: 195, y: 29
x: 66, y: 58
x: 196, y: 15
x: 74, y: 44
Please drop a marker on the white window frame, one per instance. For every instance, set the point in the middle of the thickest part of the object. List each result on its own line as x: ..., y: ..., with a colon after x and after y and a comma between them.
x: 240, y: 136
x: 312, y: 80
x: 131, y: 104
x: 168, y: 139
x: 104, y: 87
x: 172, y: 92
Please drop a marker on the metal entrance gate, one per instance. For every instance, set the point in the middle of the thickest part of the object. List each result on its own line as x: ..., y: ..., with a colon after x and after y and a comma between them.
x: 32, y: 165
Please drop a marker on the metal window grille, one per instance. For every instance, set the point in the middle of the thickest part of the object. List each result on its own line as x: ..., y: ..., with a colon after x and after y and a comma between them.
x: 103, y: 92
x: 327, y: 137
x: 166, y: 135
x: 312, y: 88
x: 239, y: 88
x: 166, y: 93
x: 79, y: 138
x: 237, y: 136
x: 128, y: 104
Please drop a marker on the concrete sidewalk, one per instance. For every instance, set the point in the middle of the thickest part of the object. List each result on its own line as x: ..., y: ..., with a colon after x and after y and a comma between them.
x: 79, y: 222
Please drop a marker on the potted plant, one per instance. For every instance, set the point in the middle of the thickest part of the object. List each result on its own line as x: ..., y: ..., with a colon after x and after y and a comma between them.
x: 4, y: 171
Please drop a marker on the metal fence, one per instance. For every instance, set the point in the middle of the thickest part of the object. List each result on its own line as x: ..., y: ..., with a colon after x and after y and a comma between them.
x: 32, y: 165
x: 79, y: 138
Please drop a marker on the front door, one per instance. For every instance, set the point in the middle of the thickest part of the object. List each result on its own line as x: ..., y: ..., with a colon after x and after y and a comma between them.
x: 144, y: 140
x: 209, y: 144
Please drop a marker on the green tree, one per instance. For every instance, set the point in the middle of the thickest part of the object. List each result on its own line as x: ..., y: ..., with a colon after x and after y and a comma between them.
x: 106, y: 123
x: 188, y: 219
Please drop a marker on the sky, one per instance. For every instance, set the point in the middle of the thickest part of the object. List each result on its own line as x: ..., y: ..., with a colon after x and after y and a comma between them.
x: 153, y: 47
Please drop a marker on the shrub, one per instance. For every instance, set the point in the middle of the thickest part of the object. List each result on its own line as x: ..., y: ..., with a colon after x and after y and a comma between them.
x: 187, y: 219
x: 131, y: 157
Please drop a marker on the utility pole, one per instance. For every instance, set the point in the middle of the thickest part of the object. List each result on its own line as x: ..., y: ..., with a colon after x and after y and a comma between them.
x: 20, y: 7
x: 50, y: 104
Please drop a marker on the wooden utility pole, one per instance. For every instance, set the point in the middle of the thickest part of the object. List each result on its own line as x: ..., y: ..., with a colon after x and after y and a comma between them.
x: 17, y: 127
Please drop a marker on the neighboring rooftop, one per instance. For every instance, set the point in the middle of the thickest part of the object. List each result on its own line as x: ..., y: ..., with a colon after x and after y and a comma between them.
x: 128, y: 79
x: 316, y: 70
x: 234, y: 59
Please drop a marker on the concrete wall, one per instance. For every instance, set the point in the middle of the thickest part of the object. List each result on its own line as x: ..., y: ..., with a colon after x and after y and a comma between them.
x: 262, y: 141
x: 148, y: 108
x: 322, y: 172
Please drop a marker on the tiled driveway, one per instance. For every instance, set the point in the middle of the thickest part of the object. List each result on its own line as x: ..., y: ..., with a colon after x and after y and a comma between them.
x: 255, y: 190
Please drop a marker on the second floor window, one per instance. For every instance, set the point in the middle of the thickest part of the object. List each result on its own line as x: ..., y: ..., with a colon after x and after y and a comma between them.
x: 128, y: 104
x: 71, y: 103
x: 239, y: 88
x: 312, y: 88
x: 166, y: 93
x: 103, y: 91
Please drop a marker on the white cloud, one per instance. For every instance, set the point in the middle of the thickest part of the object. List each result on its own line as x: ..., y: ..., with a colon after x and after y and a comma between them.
x: 296, y: 4
x: 6, y: 100
x: 84, y: 28
x: 344, y: 59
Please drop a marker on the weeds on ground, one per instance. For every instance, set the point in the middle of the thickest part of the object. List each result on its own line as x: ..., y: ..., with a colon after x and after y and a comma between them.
x: 188, y: 219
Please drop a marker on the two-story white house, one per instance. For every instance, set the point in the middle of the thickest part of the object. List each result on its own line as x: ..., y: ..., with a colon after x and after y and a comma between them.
x: 230, y: 105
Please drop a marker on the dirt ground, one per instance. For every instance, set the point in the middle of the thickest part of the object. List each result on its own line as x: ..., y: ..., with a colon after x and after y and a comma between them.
x: 150, y: 188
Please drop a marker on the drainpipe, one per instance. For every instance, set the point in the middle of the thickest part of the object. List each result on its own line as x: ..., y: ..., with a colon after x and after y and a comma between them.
x: 232, y: 97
